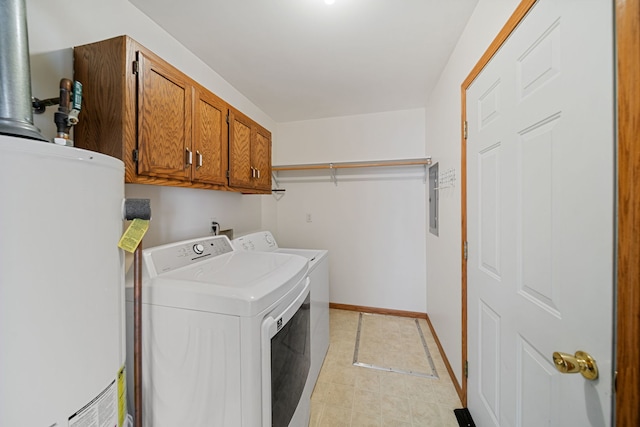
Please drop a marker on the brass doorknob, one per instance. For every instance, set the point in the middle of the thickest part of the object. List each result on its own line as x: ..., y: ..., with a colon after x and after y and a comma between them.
x: 580, y: 362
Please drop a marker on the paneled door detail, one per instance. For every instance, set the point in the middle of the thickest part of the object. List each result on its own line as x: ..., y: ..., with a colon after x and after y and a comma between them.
x: 164, y: 120
x: 210, y: 139
x: 261, y: 157
x: 540, y: 215
x: 239, y: 150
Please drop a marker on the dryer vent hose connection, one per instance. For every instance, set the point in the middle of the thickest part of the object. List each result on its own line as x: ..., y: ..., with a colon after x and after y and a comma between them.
x: 136, y: 209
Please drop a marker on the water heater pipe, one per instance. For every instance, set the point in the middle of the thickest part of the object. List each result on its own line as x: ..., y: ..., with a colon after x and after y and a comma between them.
x: 137, y: 335
x: 137, y: 209
x: 16, y: 116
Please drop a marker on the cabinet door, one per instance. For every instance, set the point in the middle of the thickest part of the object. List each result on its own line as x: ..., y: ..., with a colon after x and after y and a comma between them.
x: 241, y: 172
x: 261, y: 157
x: 209, y: 139
x: 164, y: 120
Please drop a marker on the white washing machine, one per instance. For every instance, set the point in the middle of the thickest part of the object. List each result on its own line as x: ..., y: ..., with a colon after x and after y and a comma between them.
x: 263, y: 241
x: 225, y: 335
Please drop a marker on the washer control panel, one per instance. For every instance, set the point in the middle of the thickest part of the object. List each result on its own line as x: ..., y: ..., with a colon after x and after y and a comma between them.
x: 175, y: 255
x: 262, y: 241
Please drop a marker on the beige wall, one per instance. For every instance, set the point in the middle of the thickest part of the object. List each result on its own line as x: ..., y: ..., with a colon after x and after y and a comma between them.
x: 372, y: 221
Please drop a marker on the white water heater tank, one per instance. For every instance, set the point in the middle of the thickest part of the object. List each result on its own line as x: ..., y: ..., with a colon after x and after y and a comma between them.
x: 62, y: 345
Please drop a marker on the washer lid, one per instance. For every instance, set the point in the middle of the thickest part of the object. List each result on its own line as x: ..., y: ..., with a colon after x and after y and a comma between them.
x: 235, y: 283
x: 313, y: 255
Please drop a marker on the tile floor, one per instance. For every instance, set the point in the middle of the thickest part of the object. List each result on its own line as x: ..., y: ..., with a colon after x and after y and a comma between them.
x: 347, y: 395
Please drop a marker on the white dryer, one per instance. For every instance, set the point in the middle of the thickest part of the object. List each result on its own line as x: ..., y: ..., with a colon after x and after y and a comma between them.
x: 225, y: 335
x: 263, y: 241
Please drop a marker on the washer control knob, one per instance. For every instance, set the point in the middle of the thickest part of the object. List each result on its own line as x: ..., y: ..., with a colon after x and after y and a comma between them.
x: 198, y: 248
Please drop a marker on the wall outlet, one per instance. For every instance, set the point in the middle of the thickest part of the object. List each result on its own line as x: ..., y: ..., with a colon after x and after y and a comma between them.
x: 309, y: 218
x: 215, y: 228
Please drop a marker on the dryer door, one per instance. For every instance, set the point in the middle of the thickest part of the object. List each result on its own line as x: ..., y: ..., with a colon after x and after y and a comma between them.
x: 286, y: 359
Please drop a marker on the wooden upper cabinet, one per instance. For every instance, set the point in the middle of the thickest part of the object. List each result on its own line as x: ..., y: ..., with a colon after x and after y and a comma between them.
x: 249, y: 154
x: 164, y: 120
x: 261, y: 157
x: 240, y: 169
x: 165, y: 127
x: 210, y: 138
x: 108, y: 117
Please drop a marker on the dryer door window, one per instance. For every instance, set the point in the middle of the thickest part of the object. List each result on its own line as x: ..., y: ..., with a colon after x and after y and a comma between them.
x: 290, y: 362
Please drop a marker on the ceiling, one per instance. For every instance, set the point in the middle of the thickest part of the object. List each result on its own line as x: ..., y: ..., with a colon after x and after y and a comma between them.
x: 305, y: 59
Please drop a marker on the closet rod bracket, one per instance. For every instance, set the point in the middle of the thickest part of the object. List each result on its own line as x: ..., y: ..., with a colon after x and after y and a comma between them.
x: 334, y: 178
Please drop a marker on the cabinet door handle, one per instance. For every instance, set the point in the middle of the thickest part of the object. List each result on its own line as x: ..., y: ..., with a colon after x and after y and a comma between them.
x: 253, y: 172
x: 189, y: 156
x: 258, y: 171
x: 198, y: 159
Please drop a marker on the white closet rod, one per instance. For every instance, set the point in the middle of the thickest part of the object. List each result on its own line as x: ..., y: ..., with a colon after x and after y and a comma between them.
x: 343, y: 165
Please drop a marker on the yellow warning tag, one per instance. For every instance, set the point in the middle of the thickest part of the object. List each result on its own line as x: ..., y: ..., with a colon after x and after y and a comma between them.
x: 122, y: 396
x: 134, y: 234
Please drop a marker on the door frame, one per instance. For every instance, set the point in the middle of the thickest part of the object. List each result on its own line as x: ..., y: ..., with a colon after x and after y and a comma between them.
x: 627, y: 310
x: 627, y: 292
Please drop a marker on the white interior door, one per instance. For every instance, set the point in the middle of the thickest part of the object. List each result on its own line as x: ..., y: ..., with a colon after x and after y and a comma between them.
x: 540, y: 162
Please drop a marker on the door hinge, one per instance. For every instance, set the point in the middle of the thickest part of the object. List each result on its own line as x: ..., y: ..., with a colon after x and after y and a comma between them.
x: 135, y: 155
x: 466, y: 129
x: 227, y: 119
x: 227, y: 174
x: 466, y: 369
x: 465, y: 251
x: 136, y: 67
